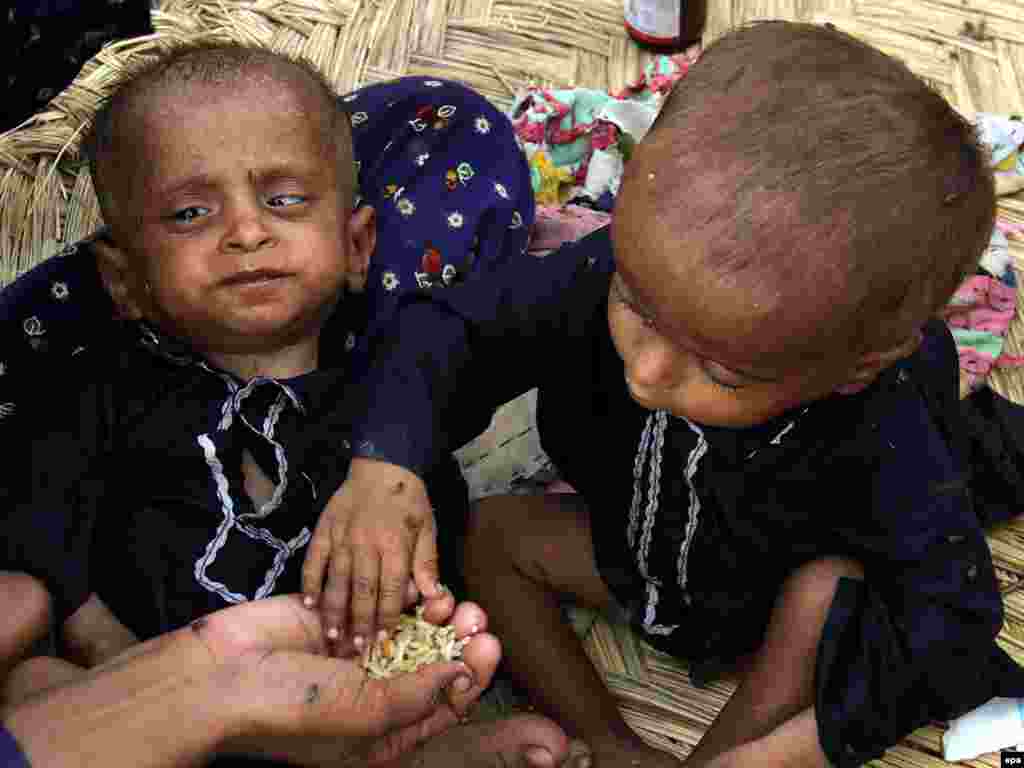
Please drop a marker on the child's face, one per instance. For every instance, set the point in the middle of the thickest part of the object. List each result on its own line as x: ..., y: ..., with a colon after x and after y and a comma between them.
x: 240, y: 237
x: 702, y: 348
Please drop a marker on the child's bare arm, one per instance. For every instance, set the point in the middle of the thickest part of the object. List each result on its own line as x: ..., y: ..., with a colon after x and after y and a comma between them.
x: 93, y: 634
x: 376, y: 532
x: 462, y: 354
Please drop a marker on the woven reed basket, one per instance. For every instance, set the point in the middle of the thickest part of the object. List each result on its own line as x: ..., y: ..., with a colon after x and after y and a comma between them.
x: 972, y: 51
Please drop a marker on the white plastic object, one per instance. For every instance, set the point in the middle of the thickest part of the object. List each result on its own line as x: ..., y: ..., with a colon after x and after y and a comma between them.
x: 997, y: 724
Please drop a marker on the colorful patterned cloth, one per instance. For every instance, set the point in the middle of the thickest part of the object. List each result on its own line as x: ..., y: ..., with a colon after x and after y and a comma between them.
x: 437, y: 162
x: 980, y: 312
x: 577, y: 139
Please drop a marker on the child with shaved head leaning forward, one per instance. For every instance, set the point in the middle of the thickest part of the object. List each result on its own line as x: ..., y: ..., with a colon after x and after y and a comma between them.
x: 744, y: 381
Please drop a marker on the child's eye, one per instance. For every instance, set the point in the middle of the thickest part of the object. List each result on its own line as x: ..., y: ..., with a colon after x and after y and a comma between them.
x: 630, y: 304
x: 719, y: 380
x: 190, y: 214
x: 722, y: 384
x: 283, y: 201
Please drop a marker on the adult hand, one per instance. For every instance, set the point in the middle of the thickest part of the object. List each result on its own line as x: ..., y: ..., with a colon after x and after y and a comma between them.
x: 250, y: 677
x: 376, y: 530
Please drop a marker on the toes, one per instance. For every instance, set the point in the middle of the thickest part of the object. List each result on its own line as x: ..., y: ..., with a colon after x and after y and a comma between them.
x: 524, y: 741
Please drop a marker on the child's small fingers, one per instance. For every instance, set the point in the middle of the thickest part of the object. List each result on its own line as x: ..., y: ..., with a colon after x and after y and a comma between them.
x: 394, y: 577
x: 439, y: 610
x: 425, y: 559
x: 412, y: 595
x: 335, y: 599
x: 365, y: 591
x: 317, y: 554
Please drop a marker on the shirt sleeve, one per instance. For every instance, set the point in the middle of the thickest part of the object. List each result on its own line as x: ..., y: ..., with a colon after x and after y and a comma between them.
x: 52, y: 489
x: 11, y: 755
x: 453, y: 356
x: 914, y: 641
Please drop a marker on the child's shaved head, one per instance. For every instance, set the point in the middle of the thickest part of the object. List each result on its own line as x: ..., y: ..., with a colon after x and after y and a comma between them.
x: 183, y: 73
x: 819, y: 173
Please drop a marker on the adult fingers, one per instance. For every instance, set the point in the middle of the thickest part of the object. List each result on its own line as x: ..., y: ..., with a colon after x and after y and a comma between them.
x: 408, y: 699
x: 469, y: 619
x: 481, y: 654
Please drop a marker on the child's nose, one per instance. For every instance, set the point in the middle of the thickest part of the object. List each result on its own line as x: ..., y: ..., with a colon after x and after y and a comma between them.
x: 654, y: 364
x: 247, y: 230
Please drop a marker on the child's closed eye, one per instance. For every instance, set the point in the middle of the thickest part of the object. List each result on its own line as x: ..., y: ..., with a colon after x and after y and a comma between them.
x: 720, y: 378
x: 619, y: 294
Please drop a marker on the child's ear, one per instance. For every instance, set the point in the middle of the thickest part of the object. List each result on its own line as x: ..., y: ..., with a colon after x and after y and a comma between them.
x: 361, y: 242
x: 873, y: 363
x: 126, y: 288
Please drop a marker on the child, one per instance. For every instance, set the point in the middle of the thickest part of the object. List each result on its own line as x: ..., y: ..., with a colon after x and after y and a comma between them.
x: 197, y: 426
x: 776, y: 480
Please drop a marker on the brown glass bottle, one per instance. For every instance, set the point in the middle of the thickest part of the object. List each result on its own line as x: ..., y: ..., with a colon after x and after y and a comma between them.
x: 665, y: 26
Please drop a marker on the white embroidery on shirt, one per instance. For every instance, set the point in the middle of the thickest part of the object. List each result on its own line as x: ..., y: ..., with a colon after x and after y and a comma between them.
x: 692, y: 462
x: 777, y: 440
x: 33, y: 326
x: 650, y: 453
x: 231, y: 521
x: 638, y: 471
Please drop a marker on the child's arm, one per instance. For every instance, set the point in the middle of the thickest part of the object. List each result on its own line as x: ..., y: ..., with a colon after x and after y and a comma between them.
x: 50, y: 491
x: 914, y: 641
x: 93, y: 634
x: 464, y: 351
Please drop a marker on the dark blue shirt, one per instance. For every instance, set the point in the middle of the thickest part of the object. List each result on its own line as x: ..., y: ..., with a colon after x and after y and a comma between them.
x: 696, y: 527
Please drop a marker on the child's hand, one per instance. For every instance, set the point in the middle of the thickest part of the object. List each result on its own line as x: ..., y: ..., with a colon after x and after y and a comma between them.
x: 373, y: 528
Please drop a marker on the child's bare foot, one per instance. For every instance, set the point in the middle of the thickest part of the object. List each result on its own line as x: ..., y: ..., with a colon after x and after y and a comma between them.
x: 523, y: 741
x: 631, y: 754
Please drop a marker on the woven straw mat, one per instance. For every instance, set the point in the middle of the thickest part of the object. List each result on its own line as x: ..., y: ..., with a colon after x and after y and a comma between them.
x: 972, y: 51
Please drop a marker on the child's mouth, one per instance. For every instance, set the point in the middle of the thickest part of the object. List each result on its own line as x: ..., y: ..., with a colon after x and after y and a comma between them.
x: 257, y: 277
